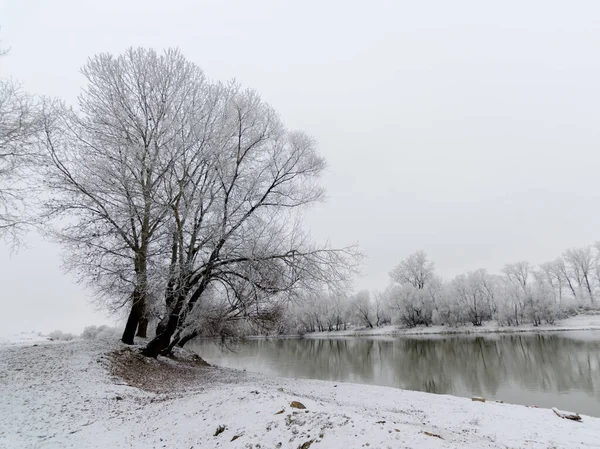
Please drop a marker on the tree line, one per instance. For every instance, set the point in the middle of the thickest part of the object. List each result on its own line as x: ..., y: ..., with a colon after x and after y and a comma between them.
x: 416, y: 296
x: 176, y: 198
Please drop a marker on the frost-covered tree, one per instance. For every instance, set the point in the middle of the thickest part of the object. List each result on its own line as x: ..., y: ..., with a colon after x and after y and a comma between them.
x: 412, y: 306
x: 596, y: 251
x: 527, y: 295
x: 19, y: 128
x: 473, y: 295
x: 415, y: 270
x: 183, y: 199
x: 543, y: 306
x: 381, y: 309
x: 516, y: 292
x: 110, y: 166
x: 580, y: 263
x: 414, y: 297
x: 236, y: 229
x: 522, y: 294
x: 555, y: 276
x: 363, y: 309
x: 340, y: 308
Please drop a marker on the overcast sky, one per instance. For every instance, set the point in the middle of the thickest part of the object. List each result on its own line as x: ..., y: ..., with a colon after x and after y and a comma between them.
x: 468, y: 129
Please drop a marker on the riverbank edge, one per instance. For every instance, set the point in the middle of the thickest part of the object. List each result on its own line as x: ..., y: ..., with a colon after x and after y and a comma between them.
x: 63, y: 394
x: 584, y: 322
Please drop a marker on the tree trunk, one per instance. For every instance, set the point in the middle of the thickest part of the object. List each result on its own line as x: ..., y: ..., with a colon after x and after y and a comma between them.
x: 589, y: 289
x: 165, y: 330
x: 132, y: 323
x: 168, y: 325
x: 187, y: 338
x: 142, y: 329
x: 138, y: 299
x: 157, y: 345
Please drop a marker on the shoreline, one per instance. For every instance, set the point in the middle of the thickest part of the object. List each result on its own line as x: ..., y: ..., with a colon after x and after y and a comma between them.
x: 75, y: 394
x: 576, y: 323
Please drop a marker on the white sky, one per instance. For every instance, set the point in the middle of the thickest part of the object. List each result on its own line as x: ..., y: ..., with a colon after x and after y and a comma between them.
x: 468, y: 129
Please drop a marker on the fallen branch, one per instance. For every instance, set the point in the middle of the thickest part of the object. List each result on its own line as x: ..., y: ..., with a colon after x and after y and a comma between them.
x: 566, y: 415
x: 429, y: 434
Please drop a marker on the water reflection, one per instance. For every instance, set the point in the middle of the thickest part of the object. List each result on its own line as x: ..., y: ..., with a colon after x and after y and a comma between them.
x: 561, y: 369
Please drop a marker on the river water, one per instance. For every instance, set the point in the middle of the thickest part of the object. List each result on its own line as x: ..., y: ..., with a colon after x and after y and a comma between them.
x: 559, y: 369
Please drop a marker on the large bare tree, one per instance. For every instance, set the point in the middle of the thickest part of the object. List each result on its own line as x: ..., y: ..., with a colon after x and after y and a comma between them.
x: 110, y: 167
x: 185, y: 192
x: 235, y: 231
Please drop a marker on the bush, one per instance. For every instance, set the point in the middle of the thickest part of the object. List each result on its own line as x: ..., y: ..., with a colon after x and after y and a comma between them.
x: 100, y: 332
x: 61, y: 336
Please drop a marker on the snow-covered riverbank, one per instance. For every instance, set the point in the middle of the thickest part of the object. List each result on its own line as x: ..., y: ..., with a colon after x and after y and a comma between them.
x: 575, y: 323
x: 62, y: 394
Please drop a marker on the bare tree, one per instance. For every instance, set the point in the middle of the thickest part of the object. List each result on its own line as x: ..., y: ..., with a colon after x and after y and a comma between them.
x: 597, y: 263
x: 109, y: 169
x: 415, y: 270
x: 412, y: 306
x: 518, y: 273
x: 413, y: 299
x: 187, y: 192
x: 580, y: 262
x: 543, y: 305
x: 19, y: 127
x: 382, y: 316
x: 517, y: 279
x: 564, y: 272
x: 237, y: 229
x: 556, y: 275
x: 340, y: 309
x: 363, y: 308
x: 474, y: 295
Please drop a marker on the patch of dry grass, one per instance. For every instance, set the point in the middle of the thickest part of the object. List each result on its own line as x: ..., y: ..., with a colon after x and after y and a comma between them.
x: 184, y: 371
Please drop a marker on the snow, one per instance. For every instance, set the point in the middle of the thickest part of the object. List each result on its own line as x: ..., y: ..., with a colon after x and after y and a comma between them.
x: 579, y: 322
x: 22, y: 338
x: 61, y: 395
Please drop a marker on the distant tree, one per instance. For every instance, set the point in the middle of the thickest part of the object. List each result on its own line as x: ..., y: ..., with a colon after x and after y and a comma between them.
x: 580, y: 263
x: 528, y: 294
x: 517, y: 292
x: 564, y: 272
x: 597, y: 263
x: 340, y: 310
x: 415, y: 270
x: 363, y: 308
x: 413, y: 300
x: 543, y: 306
x: 555, y: 275
x: 381, y: 309
x: 447, y: 309
x: 412, y: 306
x: 474, y: 295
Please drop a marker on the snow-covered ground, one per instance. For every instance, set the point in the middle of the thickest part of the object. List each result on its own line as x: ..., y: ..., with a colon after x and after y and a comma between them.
x: 579, y: 322
x: 22, y: 338
x: 62, y: 394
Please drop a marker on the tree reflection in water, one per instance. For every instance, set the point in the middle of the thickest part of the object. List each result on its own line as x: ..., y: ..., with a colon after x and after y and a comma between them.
x: 558, y: 369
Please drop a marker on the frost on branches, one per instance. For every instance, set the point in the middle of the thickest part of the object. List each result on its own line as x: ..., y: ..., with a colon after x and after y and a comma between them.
x: 183, y: 198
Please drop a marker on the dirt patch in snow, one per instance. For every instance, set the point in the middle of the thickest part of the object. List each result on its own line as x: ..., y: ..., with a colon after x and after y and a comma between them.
x: 184, y: 371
